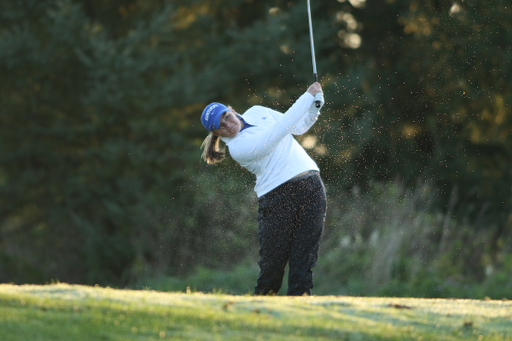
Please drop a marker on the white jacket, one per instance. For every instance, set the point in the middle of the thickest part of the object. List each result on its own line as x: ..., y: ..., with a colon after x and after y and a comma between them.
x: 268, y: 149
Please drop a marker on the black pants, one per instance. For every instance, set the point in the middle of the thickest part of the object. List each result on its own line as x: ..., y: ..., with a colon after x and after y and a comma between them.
x: 291, y: 220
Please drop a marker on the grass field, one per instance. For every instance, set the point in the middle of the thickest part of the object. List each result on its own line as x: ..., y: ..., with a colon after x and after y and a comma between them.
x: 69, y: 312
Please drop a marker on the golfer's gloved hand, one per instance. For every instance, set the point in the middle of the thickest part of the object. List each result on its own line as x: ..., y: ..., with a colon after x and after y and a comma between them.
x: 319, y: 97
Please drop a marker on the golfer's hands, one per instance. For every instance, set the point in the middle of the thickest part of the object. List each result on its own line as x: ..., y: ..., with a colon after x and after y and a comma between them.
x: 316, y: 90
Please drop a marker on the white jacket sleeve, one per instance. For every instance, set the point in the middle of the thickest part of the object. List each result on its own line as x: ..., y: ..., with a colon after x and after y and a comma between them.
x: 257, y: 146
x: 307, y: 121
x: 303, y: 125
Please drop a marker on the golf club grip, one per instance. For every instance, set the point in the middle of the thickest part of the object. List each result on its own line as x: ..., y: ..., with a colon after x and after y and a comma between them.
x: 315, y: 79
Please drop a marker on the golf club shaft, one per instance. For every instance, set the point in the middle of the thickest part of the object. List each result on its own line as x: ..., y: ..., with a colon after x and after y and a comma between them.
x: 315, y: 75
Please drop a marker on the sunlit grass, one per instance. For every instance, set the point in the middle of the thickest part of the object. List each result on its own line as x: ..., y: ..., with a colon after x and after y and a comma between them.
x: 66, y: 312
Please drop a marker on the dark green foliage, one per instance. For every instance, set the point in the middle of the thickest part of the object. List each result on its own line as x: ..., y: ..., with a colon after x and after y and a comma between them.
x: 100, y: 173
x: 98, y: 153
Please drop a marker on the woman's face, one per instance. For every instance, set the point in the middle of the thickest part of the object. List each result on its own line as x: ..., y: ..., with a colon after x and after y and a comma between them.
x: 229, y: 125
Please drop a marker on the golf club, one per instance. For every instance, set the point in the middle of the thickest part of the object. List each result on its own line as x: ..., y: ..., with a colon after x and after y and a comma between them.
x: 315, y: 75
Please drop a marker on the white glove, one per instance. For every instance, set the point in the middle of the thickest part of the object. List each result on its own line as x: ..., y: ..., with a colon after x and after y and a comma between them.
x: 319, y: 98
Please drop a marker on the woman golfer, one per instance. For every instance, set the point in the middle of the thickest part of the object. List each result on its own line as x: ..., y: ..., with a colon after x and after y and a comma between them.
x: 291, y: 194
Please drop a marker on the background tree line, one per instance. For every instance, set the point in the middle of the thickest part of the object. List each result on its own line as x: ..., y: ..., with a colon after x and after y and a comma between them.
x: 100, y: 173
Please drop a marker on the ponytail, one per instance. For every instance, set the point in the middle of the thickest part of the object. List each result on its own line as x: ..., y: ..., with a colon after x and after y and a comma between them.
x: 212, y: 153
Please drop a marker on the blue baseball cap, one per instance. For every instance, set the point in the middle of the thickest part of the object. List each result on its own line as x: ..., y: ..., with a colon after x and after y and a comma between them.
x: 211, y: 115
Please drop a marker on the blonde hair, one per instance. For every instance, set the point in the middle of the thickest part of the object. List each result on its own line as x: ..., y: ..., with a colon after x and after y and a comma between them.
x: 212, y: 153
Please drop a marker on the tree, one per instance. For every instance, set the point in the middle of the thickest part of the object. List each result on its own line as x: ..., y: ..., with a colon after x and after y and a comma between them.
x: 100, y: 176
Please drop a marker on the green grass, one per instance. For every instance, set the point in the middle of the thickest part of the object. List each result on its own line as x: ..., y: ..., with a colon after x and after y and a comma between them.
x: 74, y: 313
